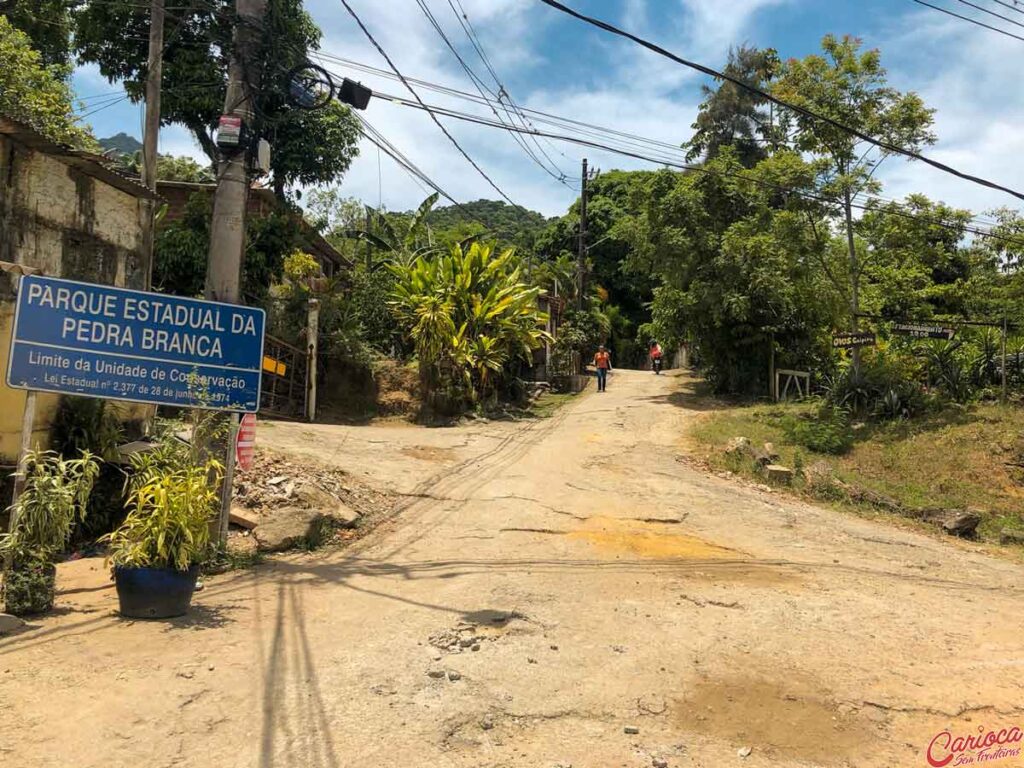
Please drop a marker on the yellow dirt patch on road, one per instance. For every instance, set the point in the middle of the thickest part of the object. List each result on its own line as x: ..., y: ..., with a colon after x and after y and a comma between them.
x: 646, y: 540
x: 429, y: 453
x: 777, y: 720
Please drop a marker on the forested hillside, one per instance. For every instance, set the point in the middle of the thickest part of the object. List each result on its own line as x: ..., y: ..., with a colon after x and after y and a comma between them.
x: 499, y: 221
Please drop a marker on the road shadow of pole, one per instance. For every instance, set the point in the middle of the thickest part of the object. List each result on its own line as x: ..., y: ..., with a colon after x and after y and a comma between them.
x: 291, y: 672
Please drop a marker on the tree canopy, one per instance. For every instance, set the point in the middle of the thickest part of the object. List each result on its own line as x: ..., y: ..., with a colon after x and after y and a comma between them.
x: 307, y: 147
x: 494, y: 219
x: 36, y: 93
x: 48, y: 25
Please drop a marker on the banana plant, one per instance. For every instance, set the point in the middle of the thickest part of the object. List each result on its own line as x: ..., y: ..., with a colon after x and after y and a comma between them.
x: 400, y: 246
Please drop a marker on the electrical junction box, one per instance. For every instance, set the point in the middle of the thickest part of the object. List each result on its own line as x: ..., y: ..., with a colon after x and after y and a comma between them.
x: 263, y: 156
x: 230, y: 132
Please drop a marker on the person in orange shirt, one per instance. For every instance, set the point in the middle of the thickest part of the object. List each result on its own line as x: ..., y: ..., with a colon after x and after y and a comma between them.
x: 603, y: 364
x: 656, y: 357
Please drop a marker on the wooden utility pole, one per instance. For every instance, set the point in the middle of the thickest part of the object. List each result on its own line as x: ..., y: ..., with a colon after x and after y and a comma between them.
x: 854, y: 278
x: 227, y: 230
x: 1003, y: 345
x: 312, y: 352
x: 154, y: 74
x: 151, y: 133
x: 581, y: 258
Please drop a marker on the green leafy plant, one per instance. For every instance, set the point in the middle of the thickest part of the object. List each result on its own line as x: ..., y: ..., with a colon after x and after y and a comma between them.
x: 469, y: 315
x: 172, y: 496
x: 828, y: 431
x: 168, y: 523
x: 56, y: 494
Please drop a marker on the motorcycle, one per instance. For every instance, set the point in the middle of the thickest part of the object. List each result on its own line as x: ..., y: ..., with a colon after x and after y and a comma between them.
x: 656, y: 365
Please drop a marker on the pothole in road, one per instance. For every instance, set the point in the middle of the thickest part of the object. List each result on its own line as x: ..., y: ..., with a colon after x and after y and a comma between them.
x: 776, y: 720
x: 478, y: 627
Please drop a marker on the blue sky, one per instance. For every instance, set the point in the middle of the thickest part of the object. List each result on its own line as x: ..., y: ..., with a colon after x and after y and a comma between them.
x: 551, y: 62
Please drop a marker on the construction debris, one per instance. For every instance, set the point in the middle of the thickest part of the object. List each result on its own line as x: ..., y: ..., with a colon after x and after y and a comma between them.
x: 288, y: 504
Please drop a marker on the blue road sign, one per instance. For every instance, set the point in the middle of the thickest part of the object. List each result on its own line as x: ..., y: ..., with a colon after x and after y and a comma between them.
x: 113, y: 343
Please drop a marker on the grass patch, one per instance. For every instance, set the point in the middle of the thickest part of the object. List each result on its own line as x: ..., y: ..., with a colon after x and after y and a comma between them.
x: 955, y: 459
x: 545, y: 406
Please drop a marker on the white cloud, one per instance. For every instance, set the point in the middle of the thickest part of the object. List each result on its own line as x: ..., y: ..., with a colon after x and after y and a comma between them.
x: 971, y: 77
x: 632, y: 89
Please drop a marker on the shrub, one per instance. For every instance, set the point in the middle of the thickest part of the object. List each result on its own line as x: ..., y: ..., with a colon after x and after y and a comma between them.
x: 56, y: 494
x: 168, y: 523
x: 826, y: 432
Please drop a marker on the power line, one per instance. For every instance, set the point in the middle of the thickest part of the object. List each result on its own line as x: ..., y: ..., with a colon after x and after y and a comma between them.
x: 815, y: 196
x: 478, y: 46
x: 1013, y: 7
x: 539, y: 116
x: 657, y: 151
x: 893, y: 148
x: 411, y: 90
x: 968, y: 19
x: 990, y: 13
x: 480, y: 86
x: 382, y: 144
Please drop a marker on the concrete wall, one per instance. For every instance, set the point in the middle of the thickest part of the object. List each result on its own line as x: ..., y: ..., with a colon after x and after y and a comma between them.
x: 57, y: 217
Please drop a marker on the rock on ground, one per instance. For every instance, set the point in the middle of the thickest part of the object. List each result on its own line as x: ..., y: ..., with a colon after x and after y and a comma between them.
x: 293, y: 527
x: 9, y: 623
x: 956, y: 522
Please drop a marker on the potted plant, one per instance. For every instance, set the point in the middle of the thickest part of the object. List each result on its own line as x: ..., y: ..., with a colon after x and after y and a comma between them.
x: 157, y: 550
x: 55, y: 495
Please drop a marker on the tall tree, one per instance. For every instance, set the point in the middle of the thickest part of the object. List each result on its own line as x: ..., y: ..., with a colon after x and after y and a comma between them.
x: 307, y: 147
x: 739, y: 265
x: 34, y: 93
x: 733, y: 116
x: 48, y: 25
x: 849, y: 87
x: 919, y: 265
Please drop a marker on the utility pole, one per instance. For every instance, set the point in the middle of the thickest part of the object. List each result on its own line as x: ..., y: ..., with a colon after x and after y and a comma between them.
x: 369, y: 245
x: 581, y: 258
x: 154, y: 75
x: 1003, y: 345
x: 227, y: 229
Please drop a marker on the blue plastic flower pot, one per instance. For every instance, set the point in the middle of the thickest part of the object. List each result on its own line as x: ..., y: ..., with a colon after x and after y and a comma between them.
x: 155, y: 593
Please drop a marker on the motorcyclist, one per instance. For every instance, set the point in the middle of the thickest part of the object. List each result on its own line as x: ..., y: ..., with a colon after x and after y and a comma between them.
x: 656, y: 357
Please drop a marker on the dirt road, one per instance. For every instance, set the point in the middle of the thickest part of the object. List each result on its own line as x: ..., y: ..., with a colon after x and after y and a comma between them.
x: 562, y: 592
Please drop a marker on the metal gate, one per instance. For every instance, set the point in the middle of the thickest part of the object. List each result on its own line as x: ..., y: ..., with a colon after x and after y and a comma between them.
x: 285, y: 371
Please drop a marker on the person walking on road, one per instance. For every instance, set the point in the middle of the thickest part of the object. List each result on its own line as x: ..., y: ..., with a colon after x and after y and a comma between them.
x: 603, y: 364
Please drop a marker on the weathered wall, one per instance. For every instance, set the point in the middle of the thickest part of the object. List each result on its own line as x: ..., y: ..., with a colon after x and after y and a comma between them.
x: 55, y: 217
